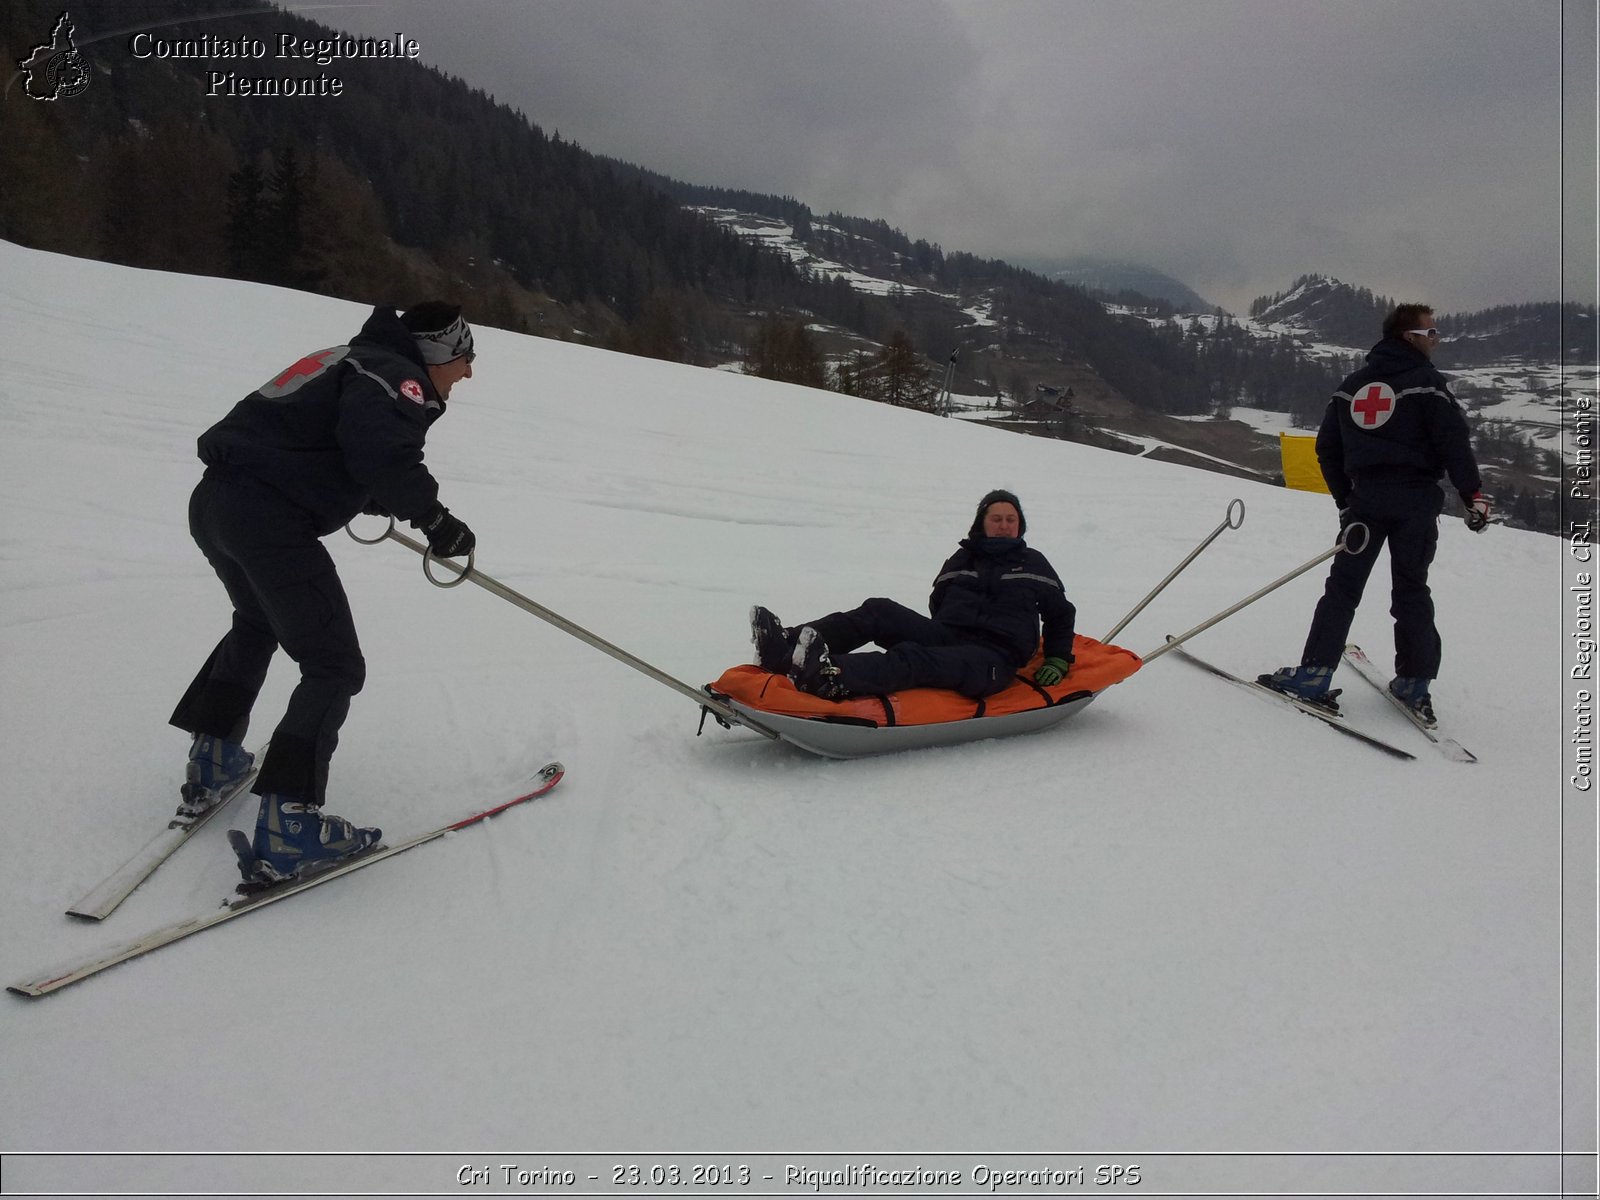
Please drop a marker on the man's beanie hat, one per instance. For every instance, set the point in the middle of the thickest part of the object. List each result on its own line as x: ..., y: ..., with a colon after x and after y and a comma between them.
x: 996, y: 497
x: 440, y: 331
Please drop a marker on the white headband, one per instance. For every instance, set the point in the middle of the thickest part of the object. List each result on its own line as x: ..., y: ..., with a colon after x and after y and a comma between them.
x: 448, y: 344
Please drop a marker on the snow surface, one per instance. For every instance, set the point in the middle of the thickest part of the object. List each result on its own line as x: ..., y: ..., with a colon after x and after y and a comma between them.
x: 1185, y: 920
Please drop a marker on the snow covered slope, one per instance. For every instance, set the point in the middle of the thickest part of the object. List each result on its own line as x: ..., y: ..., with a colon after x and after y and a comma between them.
x: 1184, y: 920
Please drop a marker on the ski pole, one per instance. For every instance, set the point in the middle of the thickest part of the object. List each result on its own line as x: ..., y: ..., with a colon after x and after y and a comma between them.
x: 1345, y: 545
x: 949, y: 370
x: 1229, y: 522
x: 494, y: 586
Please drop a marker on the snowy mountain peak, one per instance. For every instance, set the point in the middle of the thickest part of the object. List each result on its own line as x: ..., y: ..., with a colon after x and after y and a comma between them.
x: 1324, y: 308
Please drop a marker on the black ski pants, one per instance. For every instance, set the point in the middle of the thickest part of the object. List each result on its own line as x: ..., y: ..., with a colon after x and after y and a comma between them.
x: 285, y: 592
x: 1407, y: 521
x: 917, y: 652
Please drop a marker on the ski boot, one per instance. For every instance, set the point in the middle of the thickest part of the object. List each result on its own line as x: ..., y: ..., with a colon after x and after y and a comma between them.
x: 811, y: 669
x: 294, y: 838
x: 1305, y: 683
x: 774, y: 640
x: 1413, y: 693
x: 215, y: 767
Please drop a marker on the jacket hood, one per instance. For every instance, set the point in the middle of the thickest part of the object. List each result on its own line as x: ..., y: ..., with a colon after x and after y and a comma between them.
x: 384, y: 329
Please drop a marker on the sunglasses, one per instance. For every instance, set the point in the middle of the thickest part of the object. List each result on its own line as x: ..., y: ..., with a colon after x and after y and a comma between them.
x: 1431, y: 334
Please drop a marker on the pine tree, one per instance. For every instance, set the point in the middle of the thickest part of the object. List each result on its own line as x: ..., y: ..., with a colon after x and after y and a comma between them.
x: 659, y: 331
x: 284, y: 225
x: 786, y: 350
x: 44, y: 200
x: 905, y: 376
x: 247, y: 223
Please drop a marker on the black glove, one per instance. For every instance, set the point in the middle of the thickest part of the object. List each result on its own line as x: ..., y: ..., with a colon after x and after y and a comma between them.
x: 448, y: 537
x: 373, y: 509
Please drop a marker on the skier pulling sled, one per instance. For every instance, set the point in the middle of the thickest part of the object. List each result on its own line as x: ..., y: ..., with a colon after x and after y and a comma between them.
x: 339, y: 432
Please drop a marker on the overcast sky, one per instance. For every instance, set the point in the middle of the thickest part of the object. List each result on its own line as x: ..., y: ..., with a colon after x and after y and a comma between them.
x: 1412, y: 147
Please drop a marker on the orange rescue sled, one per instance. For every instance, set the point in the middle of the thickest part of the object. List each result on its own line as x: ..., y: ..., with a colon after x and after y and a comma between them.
x: 920, y: 717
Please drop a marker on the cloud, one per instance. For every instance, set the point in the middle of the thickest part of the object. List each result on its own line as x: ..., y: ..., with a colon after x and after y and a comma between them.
x: 1413, y: 148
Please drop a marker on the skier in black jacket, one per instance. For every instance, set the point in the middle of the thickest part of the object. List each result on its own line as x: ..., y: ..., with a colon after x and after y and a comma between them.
x: 1391, y: 431
x: 987, y: 605
x: 337, y: 433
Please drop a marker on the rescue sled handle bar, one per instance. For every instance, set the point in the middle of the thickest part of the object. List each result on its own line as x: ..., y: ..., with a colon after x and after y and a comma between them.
x: 494, y: 586
x: 1231, y: 521
x: 1347, y: 544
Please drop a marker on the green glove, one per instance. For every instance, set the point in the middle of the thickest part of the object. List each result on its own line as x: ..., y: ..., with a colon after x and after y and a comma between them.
x: 1052, y: 671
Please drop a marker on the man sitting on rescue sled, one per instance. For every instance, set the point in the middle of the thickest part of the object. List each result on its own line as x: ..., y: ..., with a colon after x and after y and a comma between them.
x: 987, y: 604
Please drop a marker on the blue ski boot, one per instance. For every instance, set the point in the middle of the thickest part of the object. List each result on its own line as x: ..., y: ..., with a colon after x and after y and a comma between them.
x: 1413, y: 693
x: 215, y: 766
x: 292, y: 835
x: 1309, y: 684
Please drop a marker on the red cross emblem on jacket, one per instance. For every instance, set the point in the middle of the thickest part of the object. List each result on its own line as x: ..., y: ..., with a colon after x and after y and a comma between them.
x: 312, y: 366
x: 1372, y: 405
x: 308, y: 367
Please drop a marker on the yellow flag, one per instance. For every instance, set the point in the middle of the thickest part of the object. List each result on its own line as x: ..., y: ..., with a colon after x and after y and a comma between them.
x: 1300, y: 468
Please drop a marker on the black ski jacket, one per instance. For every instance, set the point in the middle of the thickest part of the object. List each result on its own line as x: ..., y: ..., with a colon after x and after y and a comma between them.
x: 999, y: 590
x: 339, y: 431
x: 1394, y: 424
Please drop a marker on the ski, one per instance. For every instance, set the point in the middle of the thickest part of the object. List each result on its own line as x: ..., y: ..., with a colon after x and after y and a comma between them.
x: 1368, y: 670
x: 1330, y: 719
x: 543, y: 781
x: 120, y: 884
